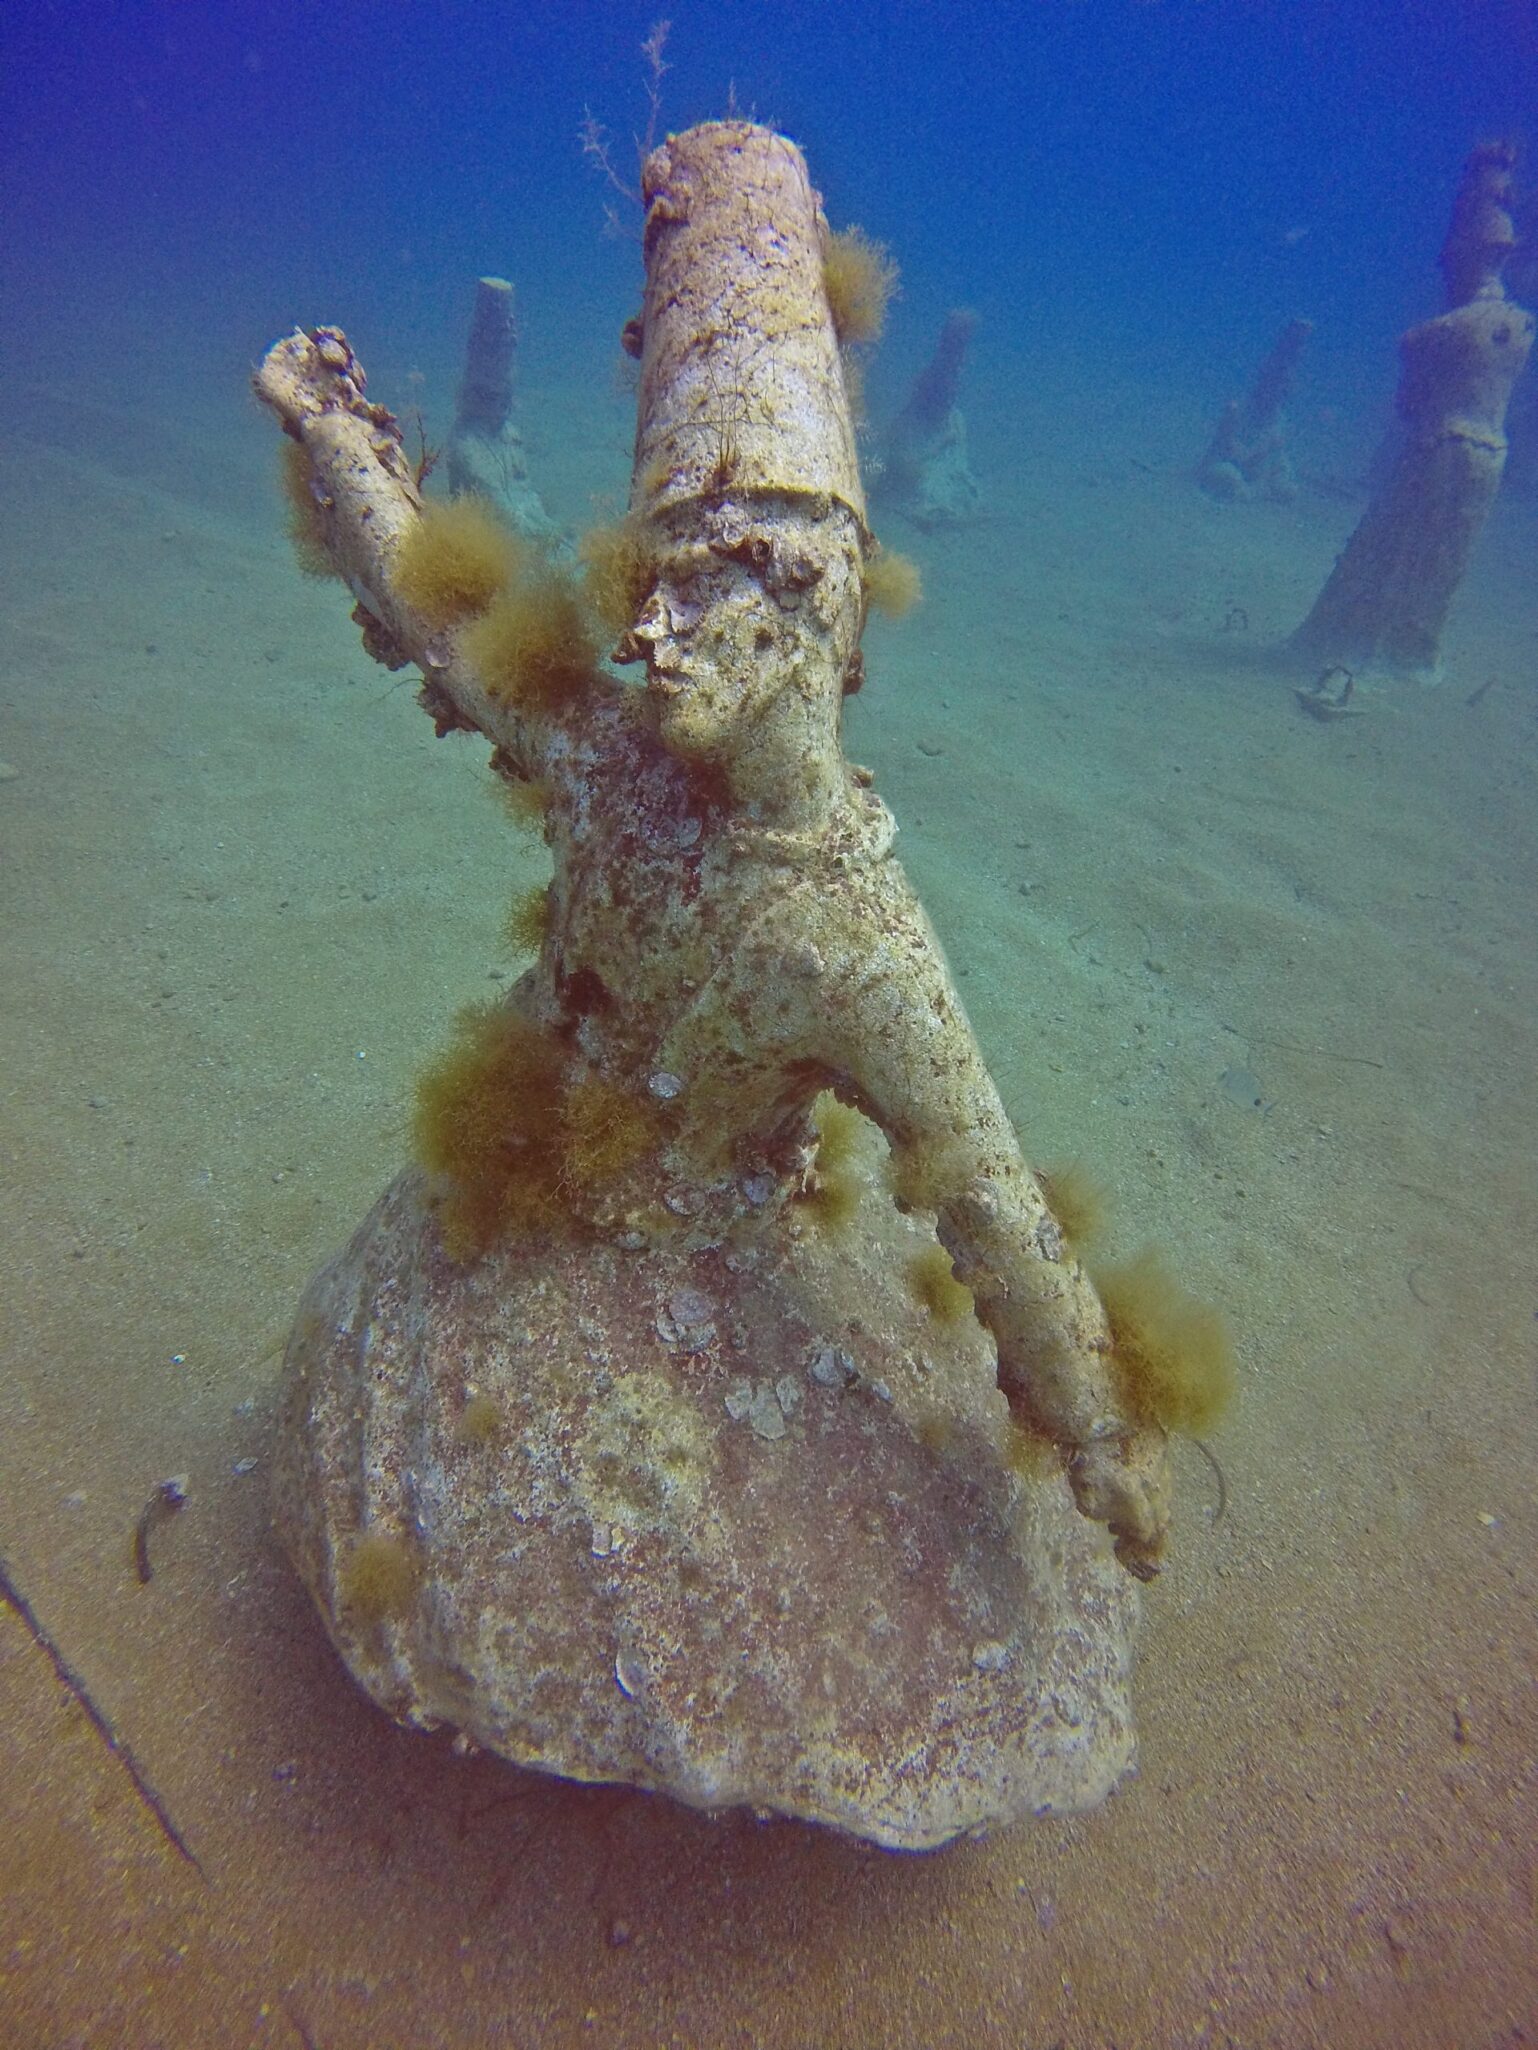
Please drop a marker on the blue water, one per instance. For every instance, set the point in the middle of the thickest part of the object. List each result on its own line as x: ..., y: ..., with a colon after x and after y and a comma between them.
x: 1079, y: 172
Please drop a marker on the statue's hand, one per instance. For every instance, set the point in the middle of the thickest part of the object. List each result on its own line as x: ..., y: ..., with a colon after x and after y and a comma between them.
x: 1124, y: 1482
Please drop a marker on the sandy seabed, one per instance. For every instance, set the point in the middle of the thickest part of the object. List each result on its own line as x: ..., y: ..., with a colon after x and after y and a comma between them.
x: 1273, y: 979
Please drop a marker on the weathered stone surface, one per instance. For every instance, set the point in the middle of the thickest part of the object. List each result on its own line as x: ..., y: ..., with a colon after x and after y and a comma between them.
x: 806, y: 1563
x: 689, y: 1491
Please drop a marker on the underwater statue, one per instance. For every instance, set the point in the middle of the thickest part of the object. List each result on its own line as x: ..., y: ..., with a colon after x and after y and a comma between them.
x: 718, y: 1406
x: 1247, y: 456
x: 925, y: 472
x: 1385, y: 604
x: 484, y: 454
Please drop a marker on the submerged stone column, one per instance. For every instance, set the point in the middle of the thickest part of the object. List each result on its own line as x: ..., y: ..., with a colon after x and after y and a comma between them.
x: 681, y: 1426
x: 484, y: 454
x: 926, y: 474
x: 1386, y: 602
x: 1247, y: 455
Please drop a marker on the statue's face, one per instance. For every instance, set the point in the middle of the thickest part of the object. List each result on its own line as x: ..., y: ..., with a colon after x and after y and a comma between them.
x: 747, y: 635
x: 717, y: 682
x: 711, y: 633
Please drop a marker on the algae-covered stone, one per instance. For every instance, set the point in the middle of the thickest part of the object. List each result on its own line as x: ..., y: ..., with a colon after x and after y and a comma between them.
x: 680, y: 1480
x: 841, y: 1619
